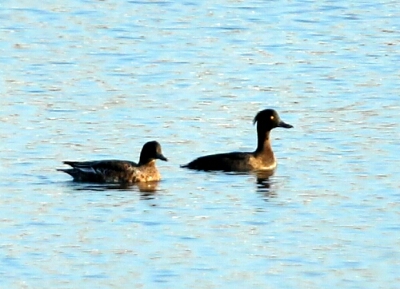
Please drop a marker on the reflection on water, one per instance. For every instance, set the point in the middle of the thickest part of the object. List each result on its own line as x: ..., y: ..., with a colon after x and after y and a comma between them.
x: 265, y: 186
x: 264, y: 181
x: 149, y: 187
x: 147, y: 190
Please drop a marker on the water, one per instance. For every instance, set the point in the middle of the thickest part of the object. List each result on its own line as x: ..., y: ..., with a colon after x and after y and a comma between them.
x: 90, y: 80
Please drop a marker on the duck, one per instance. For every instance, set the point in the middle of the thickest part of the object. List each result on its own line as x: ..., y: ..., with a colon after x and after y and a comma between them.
x: 119, y: 171
x: 262, y: 159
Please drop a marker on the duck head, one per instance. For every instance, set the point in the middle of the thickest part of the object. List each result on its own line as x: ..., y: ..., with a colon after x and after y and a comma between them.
x: 269, y: 119
x: 151, y: 151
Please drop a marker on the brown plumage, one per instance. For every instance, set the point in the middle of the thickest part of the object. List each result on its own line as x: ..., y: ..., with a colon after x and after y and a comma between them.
x: 119, y: 171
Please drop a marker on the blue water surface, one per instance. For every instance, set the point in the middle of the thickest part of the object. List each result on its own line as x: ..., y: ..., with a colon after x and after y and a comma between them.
x: 97, y: 79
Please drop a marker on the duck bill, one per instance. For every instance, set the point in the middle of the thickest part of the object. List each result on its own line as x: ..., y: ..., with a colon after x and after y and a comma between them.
x: 161, y: 157
x: 284, y: 125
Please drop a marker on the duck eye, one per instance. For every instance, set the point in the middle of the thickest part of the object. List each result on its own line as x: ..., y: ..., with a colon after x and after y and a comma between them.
x: 272, y: 117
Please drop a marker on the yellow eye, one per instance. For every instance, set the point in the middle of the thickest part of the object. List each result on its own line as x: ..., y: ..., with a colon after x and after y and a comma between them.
x: 272, y: 117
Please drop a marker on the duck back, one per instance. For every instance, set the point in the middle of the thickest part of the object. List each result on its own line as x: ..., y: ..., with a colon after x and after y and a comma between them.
x: 235, y: 161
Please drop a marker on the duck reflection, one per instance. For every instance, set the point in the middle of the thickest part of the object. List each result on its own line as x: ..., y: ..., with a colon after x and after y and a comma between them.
x: 264, y: 184
x: 147, y: 190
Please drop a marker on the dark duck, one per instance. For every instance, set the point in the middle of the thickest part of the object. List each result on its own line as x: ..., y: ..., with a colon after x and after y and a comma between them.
x: 262, y: 159
x: 119, y: 171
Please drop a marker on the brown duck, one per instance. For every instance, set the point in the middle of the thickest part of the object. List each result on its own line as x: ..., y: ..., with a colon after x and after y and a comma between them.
x: 119, y: 171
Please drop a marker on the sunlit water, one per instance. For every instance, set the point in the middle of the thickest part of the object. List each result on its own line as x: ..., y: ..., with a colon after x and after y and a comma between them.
x: 97, y: 79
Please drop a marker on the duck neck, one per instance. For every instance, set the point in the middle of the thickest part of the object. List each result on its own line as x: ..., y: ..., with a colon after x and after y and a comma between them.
x: 147, y: 162
x: 264, y: 144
